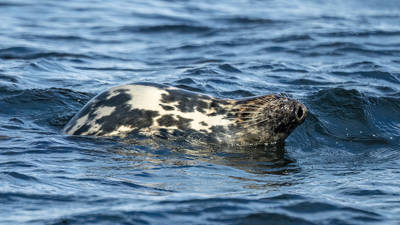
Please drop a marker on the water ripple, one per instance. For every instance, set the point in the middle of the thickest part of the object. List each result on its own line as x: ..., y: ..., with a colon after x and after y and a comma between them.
x: 339, y: 58
x: 33, y: 53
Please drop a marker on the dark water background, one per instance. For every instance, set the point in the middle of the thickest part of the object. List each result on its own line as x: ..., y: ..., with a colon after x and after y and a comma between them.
x: 340, y: 58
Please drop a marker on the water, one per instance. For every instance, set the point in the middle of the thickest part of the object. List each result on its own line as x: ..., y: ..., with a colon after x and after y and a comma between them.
x: 340, y: 58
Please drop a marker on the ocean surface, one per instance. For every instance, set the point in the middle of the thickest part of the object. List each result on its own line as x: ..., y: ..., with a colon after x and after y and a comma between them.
x: 340, y: 58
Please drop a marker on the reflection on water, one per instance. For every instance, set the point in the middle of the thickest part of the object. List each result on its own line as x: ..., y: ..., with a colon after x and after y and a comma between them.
x: 263, y: 159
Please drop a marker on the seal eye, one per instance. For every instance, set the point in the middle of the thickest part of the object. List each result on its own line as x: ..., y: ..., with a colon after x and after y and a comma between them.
x: 299, y: 112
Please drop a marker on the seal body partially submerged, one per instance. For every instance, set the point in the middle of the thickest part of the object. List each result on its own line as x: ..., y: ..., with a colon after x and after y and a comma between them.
x: 155, y: 110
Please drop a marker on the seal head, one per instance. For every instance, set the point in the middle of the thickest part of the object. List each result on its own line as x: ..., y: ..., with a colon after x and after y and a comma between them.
x: 160, y: 111
x: 266, y: 119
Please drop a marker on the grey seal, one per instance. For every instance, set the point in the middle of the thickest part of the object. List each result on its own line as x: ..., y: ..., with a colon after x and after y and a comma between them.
x: 155, y: 110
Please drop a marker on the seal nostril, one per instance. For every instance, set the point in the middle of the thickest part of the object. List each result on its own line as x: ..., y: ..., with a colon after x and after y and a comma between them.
x: 300, y: 113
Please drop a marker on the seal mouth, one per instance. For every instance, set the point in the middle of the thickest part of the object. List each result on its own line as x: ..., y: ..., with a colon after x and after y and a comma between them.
x: 301, y: 112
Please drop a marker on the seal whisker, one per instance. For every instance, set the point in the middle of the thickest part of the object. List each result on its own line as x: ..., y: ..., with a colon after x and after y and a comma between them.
x: 247, y: 121
x: 249, y: 107
x: 244, y: 113
x: 240, y: 117
x: 246, y: 117
x: 248, y: 110
x: 247, y: 113
x: 258, y: 122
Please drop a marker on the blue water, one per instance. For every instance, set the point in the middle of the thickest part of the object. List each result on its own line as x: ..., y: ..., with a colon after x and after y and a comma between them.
x: 340, y: 58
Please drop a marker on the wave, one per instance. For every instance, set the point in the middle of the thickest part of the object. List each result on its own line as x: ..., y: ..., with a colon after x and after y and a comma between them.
x: 360, y: 33
x: 349, y: 117
x: 27, y: 53
x: 270, y: 210
x: 47, y: 107
x: 170, y: 28
x: 250, y: 21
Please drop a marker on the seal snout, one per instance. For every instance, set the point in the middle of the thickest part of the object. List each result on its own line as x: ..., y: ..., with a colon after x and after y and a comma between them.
x: 300, y: 112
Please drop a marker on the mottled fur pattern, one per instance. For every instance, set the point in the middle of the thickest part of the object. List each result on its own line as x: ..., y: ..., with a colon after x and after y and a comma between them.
x: 155, y: 110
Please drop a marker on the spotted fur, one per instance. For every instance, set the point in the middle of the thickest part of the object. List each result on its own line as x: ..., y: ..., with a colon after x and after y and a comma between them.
x: 163, y: 111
